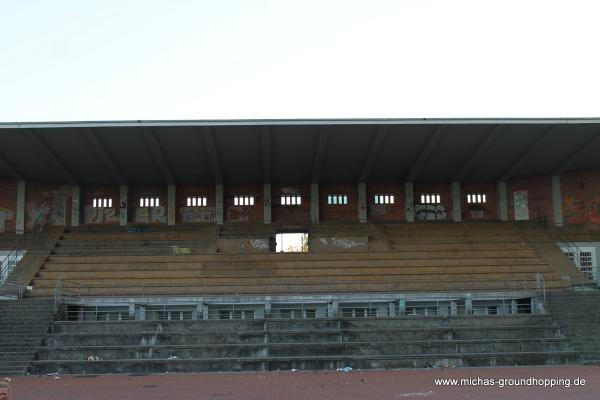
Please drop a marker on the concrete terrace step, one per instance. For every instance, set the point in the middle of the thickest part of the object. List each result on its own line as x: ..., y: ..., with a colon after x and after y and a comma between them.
x: 303, y: 363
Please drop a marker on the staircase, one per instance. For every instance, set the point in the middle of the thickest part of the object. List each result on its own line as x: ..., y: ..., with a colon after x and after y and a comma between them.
x: 578, y: 314
x: 23, y: 324
x: 303, y: 344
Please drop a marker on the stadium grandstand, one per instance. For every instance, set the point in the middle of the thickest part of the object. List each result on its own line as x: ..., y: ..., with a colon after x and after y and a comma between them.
x: 258, y: 245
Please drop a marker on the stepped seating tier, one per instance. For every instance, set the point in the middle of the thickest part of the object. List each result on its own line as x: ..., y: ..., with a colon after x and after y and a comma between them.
x: 401, y: 257
x: 256, y: 345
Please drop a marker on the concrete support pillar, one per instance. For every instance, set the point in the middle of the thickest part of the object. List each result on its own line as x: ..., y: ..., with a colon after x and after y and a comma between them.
x: 514, y: 307
x: 75, y: 205
x: 401, y: 307
x: 20, y: 218
x: 409, y: 202
x: 502, y: 191
x: 141, y: 312
x: 314, y: 203
x: 204, y: 308
x: 453, y: 307
x: 267, y: 311
x: 456, y: 203
x: 557, y: 201
x: 392, y: 309
x: 219, y: 204
x: 132, y: 308
x: 171, y: 204
x: 267, y: 201
x: 468, y: 304
x: 123, y: 205
x: 362, y: 202
x: 332, y: 308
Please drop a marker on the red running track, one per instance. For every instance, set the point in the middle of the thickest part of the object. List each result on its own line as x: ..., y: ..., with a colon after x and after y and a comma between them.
x: 355, y: 385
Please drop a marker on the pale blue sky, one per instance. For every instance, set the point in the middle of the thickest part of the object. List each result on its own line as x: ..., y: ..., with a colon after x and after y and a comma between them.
x: 112, y: 60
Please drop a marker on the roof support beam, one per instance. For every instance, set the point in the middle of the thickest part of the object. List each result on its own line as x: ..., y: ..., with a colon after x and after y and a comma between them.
x: 525, y: 155
x: 266, y: 153
x: 568, y: 161
x: 158, y: 154
x: 320, y: 151
x: 479, y: 152
x: 374, y: 151
x: 425, y: 154
x: 14, y: 172
x: 50, y: 156
x: 213, y: 155
x: 105, y: 157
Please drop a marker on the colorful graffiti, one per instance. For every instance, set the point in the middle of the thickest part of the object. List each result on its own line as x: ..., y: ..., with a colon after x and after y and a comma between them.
x: 238, y: 214
x: 578, y: 211
x: 430, y: 212
x: 7, y: 219
x: 99, y: 215
x: 38, y: 215
x: 151, y: 215
x: 197, y: 214
x: 58, y: 214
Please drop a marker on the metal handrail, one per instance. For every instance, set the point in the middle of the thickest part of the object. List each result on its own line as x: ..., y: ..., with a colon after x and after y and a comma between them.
x: 9, y: 262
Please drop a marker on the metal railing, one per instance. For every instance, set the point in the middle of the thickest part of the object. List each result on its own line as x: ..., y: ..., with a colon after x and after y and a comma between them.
x: 188, y: 310
x: 10, y: 261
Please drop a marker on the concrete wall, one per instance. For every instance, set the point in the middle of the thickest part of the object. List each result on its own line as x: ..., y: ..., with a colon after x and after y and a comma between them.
x: 328, y: 244
x: 246, y: 245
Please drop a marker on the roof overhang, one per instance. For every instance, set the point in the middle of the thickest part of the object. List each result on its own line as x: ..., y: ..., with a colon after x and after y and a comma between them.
x: 296, y: 150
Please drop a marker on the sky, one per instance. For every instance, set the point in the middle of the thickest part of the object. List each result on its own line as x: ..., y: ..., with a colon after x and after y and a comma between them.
x: 225, y: 59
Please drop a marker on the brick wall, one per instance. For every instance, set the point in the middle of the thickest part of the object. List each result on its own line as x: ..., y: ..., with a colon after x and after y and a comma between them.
x: 247, y: 214
x: 539, y: 196
x: 148, y: 215
x: 47, y: 204
x: 581, y: 197
x: 385, y: 212
x: 195, y: 214
x: 487, y: 211
x: 100, y: 215
x: 286, y: 213
x: 427, y: 212
x: 8, y: 205
x: 346, y: 212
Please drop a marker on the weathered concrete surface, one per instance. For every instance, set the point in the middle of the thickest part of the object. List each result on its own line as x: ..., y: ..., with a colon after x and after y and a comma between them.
x: 246, y: 245
x: 355, y: 385
x: 329, y: 244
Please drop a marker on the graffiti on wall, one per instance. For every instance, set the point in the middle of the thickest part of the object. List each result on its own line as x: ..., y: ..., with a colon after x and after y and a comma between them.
x: 579, y: 211
x: 197, y: 214
x: 151, y: 215
x: 38, y: 215
x: 430, y: 212
x: 238, y: 214
x: 58, y: 215
x: 99, y: 215
x: 7, y: 219
x: 260, y: 244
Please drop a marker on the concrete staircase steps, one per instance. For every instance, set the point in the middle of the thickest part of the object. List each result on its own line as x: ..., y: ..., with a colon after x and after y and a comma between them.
x: 23, y: 324
x: 328, y: 343
x: 578, y: 315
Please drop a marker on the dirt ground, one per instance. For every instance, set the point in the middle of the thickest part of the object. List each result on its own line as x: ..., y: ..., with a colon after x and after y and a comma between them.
x: 288, y: 385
